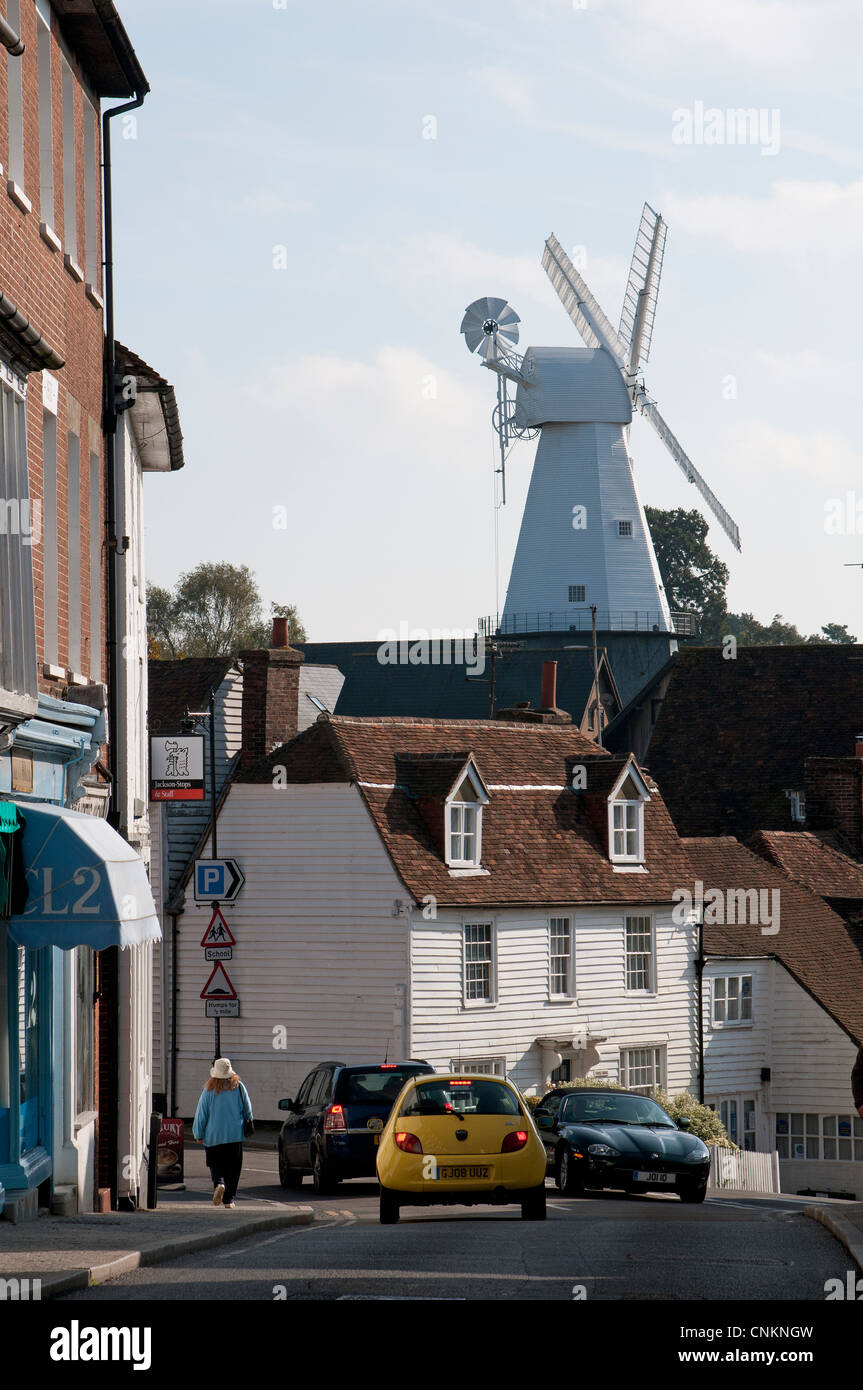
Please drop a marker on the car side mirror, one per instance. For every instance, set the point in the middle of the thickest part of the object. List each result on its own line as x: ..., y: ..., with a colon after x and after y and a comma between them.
x: 287, y: 1105
x: 545, y: 1121
x: 684, y: 1122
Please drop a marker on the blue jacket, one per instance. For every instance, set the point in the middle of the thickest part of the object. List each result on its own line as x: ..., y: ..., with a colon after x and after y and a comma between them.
x: 220, y: 1116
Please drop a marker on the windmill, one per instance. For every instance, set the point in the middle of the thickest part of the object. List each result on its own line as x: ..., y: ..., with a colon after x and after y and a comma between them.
x: 584, y: 540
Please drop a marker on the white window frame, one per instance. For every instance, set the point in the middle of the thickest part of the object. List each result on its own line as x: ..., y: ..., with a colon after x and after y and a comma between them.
x: 15, y: 105
x: 626, y: 807
x: 652, y: 970
x: 723, y: 996
x: 657, y: 1062
x: 491, y: 1066
x: 455, y: 810
x: 70, y: 161
x: 569, y: 992
x: 46, y: 117
x: 486, y: 1001
x: 624, y: 530
x: 574, y: 590
x: 92, y: 227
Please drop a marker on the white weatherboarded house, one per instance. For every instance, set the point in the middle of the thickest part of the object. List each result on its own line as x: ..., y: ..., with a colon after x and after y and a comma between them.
x: 478, y: 894
x: 783, y: 1016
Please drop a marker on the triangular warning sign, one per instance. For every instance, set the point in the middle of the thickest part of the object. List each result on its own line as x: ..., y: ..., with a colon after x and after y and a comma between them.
x: 219, y: 985
x: 218, y: 932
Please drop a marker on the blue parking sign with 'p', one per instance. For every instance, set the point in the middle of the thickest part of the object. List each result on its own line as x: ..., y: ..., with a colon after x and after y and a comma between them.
x: 210, y: 880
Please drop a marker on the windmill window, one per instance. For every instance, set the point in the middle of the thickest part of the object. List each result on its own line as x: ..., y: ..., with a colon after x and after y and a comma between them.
x: 577, y: 593
x: 624, y: 528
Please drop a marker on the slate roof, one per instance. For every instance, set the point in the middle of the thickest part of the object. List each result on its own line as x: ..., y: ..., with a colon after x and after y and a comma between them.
x: 175, y: 686
x: 820, y: 950
x: 813, y: 861
x: 732, y: 735
x: 542, y: 843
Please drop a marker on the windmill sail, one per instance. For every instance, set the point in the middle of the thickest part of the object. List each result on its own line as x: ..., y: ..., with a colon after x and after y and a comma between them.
x: 678, y: 453
x: 580, y: 304
x: 642, y: 288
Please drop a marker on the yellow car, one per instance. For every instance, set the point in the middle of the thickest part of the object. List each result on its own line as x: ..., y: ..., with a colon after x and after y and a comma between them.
x: 460, y: 1140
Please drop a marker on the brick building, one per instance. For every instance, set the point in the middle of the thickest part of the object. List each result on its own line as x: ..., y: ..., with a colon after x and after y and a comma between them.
x: 64, y: 478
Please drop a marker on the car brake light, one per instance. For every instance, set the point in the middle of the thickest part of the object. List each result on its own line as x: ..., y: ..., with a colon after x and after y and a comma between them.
x: 334, y: 1118
x: 408, y: 1142
x: 388, y: 1066
x: 516, y: 1139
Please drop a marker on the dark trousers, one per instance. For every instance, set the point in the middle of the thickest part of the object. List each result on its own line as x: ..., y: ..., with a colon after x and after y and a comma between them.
x: 225, y: 1162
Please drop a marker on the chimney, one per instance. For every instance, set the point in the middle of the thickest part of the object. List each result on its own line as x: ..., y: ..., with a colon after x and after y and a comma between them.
x: 271, y: 694
x: 549, y: 685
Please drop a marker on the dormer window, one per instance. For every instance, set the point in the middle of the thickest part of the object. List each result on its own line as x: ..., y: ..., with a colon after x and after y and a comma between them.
x: 626, y: 818
x: 463, y: 823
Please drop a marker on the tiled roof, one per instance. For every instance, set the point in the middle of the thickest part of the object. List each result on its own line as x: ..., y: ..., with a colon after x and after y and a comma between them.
x: 542, y: 843
x: 821, y: 951
x: 732, y: 735
x: 175, y: 686
x: 430, y: 774
x: 813, y: 861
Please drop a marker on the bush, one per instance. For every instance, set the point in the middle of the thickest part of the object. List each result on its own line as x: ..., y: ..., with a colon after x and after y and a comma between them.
x: 706, y: 1124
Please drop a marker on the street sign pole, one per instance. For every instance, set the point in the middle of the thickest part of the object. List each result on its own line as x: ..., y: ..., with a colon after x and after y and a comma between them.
x: 217, y: 1022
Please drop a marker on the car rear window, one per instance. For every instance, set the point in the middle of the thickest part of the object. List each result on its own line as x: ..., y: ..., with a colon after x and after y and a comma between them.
x: 372, y: 1087
x: 464, y: 1097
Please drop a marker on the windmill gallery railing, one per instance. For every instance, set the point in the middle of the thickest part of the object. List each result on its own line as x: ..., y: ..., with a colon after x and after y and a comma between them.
x: 581, y: 620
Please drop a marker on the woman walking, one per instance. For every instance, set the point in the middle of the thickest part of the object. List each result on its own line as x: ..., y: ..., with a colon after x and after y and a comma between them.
x: 223, y: 1116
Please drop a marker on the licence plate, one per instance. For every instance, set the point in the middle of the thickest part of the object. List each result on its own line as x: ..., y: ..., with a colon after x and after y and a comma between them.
x: 653, y: 1177
x: 448, y: 1173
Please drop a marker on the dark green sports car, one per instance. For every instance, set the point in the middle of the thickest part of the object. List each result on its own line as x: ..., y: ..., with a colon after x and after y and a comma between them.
x: 620, y: 1139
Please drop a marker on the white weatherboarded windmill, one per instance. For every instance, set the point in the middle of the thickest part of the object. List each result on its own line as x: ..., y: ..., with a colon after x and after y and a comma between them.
x: 584, y: 541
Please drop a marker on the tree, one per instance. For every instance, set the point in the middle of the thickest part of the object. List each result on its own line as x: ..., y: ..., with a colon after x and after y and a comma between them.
x: 694, y: 580
x: 263, y: 633
x: 693, y: 577
x: 214, y: 610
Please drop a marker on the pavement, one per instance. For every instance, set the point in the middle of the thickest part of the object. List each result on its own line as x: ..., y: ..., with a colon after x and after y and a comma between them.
x: 74, y: 1252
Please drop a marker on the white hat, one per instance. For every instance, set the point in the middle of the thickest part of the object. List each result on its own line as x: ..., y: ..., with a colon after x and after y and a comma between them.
x: 222, y: 1069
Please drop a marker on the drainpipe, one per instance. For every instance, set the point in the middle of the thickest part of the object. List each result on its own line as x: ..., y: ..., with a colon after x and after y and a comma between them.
x: 699, y: 992
x: 172, y: 1105
x: 10, y: 40
x: 109, y: 425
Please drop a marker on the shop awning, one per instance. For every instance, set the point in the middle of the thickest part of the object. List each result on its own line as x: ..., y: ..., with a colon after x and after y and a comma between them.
x: 87, y: 886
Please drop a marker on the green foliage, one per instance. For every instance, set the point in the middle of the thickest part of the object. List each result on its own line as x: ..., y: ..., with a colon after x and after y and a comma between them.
x: 706, y: 1123
x: 214, y: 610
x: 694, y: 580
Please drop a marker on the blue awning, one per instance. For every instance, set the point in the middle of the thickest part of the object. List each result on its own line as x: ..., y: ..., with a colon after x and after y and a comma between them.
x: 87, y: 886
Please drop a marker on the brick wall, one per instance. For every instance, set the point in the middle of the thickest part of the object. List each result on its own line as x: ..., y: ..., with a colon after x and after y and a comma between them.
x: 834, y: 797
x: 34, y: 277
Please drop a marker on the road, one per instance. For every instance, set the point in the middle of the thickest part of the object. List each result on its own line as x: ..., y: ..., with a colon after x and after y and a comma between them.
x: 601, y: 1247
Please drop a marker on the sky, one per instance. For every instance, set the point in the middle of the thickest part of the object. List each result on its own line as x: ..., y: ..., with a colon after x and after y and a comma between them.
x: 314, y: 193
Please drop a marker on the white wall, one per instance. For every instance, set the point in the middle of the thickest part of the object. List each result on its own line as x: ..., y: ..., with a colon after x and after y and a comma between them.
x: 809, y: 1058
x: 320, y: 964
x: 445, y: 1028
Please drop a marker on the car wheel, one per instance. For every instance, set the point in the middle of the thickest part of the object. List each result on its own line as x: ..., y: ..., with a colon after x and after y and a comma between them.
x: 533, y: 1205
x: 693, y: 1194
x: 389, y: 1210
x: 566, y: 1176
x: 288, y: 1176
x: 322, y: 1175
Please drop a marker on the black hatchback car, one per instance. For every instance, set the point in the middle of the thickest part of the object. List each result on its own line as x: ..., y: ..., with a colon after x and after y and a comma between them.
x: 334, y: 1125
x: 623, y: 1139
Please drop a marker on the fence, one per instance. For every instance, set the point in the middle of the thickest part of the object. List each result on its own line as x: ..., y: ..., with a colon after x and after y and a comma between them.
x: 743, y: 1170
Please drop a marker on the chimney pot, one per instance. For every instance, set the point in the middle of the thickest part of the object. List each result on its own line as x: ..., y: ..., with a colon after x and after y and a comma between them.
x: 280, y: 632
x: 549, y: 685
